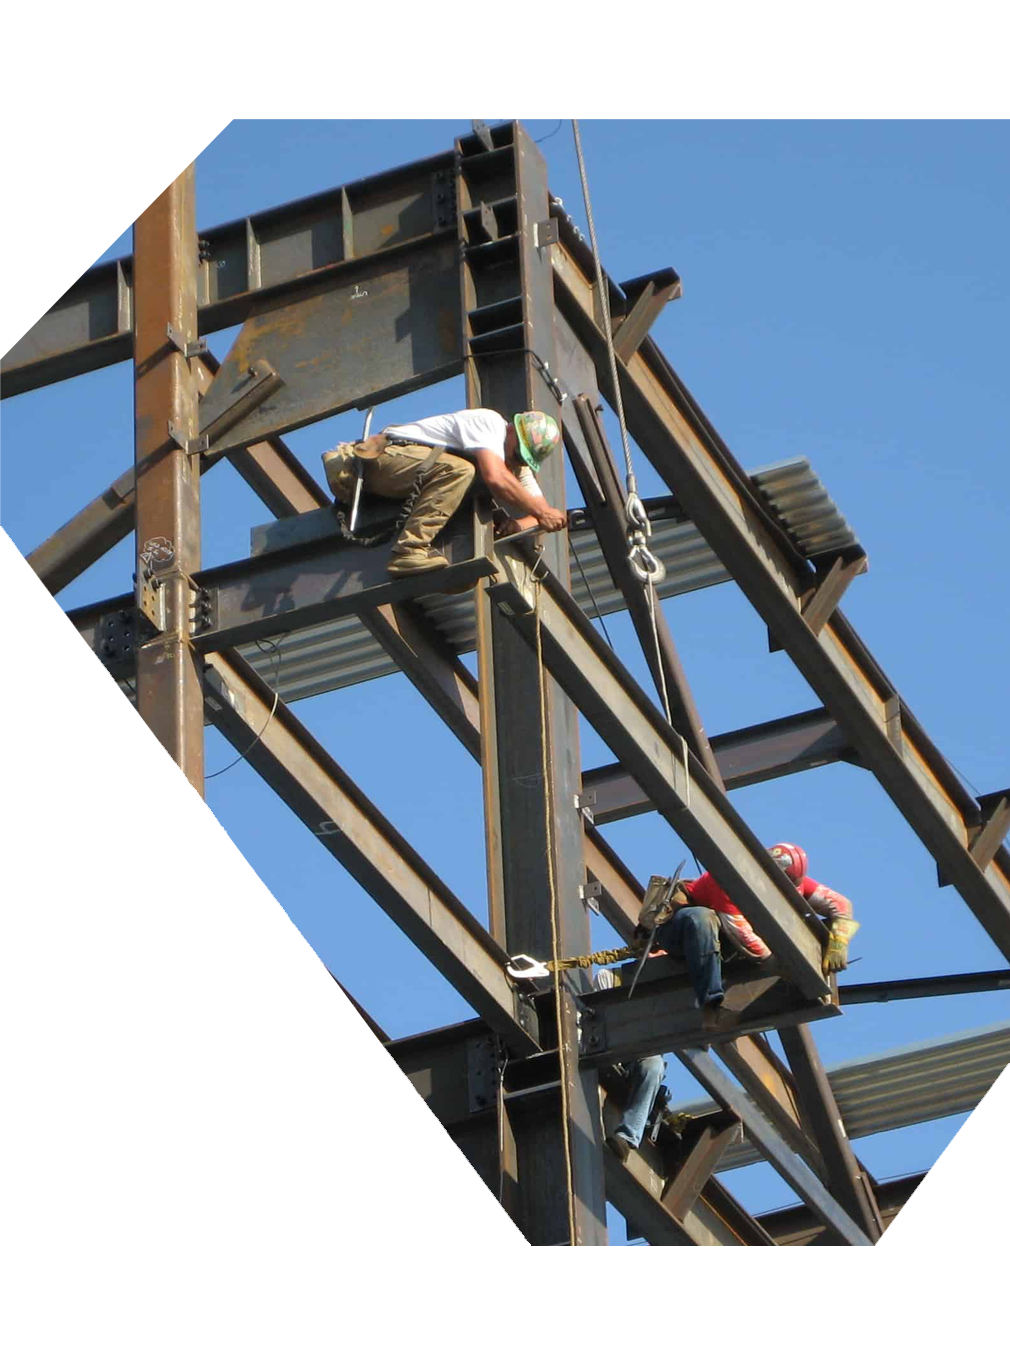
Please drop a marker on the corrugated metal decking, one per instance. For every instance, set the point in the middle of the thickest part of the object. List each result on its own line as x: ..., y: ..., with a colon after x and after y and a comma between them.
x: 337, y: 654
x: 948, y: 1076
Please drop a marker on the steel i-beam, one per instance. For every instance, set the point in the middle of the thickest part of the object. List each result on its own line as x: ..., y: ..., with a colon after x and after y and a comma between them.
x: 531, y: 760
x: 169, y: 693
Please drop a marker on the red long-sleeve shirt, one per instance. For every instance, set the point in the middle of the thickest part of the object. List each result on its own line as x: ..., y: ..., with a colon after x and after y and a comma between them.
x: 707, y: 892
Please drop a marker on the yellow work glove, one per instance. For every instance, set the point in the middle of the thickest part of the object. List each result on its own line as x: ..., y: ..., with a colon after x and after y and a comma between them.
x: 836, y: 953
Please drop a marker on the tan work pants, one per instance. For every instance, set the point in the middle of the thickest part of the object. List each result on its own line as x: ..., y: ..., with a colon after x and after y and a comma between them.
x: 392, y: 474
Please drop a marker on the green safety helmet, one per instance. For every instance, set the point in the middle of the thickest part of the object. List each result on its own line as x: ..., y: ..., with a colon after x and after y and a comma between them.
x: 538, y: 436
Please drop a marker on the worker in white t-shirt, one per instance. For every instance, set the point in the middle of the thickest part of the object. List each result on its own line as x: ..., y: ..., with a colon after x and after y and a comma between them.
x: 507, y: 455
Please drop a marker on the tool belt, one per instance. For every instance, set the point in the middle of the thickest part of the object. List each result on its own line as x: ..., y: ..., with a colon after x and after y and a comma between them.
x: 343, y: 465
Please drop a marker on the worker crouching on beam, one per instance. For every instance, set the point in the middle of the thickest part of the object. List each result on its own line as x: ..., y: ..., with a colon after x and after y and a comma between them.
x: 704, y: 917
x: 431, y: 464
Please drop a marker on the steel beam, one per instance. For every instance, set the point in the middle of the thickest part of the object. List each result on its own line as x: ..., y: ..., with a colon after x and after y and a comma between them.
x: 648, y: 296
x: 274, y: 473
x: 270, y: 469
x: 799, y: 1227
x: 684, y: 1189
x: 398, y: 327
x: 764, y: 1137
x: 313, y: 785
x: 87, y: 535
x: 455, y: 1071
x: 936, y: 986
x: 761, y: 753
x: 845, y: 1177
x: 529, y: 731
x: 662, y: 1016
x: 611, y: 524
x: 367, y: 228
x: 771, y: 1086
x: 660, y: 761
x: 425, y: 658
x: 688, y: 454
x: 167, y: 489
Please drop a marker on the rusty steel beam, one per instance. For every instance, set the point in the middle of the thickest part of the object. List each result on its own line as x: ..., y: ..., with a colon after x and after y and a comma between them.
x: 167, y: 488
x: 274, y: 473
x: 684, y: 1189
x: 346, y: 823
x: 529, y: 733
x: 934, y: 986
x: 313, y: 376
x: 423, y: 655
x: 770, y: 1085
x: 688, y: 454
x: 86, y: 536
x: 663, y: 1017
x: 425, y: 658
x: 799, y: 1227
x: 270, y: 469
x: 772, y: 749
x: 455, y: 1071
x: 611, y: 524
x: 548, y: 619
x: 647, y: 297
x: 772, y: 1148
x: 845, y: 1177
x: 354, y: 234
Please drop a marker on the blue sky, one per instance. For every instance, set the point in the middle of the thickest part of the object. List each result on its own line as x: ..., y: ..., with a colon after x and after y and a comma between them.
x: 845, y: 293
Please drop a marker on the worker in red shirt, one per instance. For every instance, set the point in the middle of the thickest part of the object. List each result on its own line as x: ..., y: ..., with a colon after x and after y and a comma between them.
x: 705, y: 916
x: 827, y: 904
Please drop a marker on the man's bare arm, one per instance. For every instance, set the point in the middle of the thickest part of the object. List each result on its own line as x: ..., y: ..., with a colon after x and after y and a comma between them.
x: 506, y: 488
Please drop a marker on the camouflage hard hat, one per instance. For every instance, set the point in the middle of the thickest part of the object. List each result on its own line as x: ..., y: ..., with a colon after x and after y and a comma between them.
x: 538, y: 436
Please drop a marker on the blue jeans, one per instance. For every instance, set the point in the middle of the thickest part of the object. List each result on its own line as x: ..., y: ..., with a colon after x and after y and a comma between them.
x: 693, y: 934
x: 646, y: 1079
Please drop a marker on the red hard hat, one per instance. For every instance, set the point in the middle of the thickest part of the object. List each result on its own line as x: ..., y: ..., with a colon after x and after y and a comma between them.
x: 791, y: 859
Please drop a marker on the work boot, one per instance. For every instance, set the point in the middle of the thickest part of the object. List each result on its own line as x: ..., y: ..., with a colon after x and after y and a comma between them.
x: 715, y: 1017
x: 619, y: 1146
x: 414, y: 561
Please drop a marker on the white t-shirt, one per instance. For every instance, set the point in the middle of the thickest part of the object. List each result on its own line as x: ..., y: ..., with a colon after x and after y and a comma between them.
x: 464, y: 433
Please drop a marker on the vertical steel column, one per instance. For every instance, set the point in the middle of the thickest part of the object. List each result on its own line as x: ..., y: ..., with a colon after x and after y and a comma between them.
x: 169, y: 692
x: 508, y: 319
